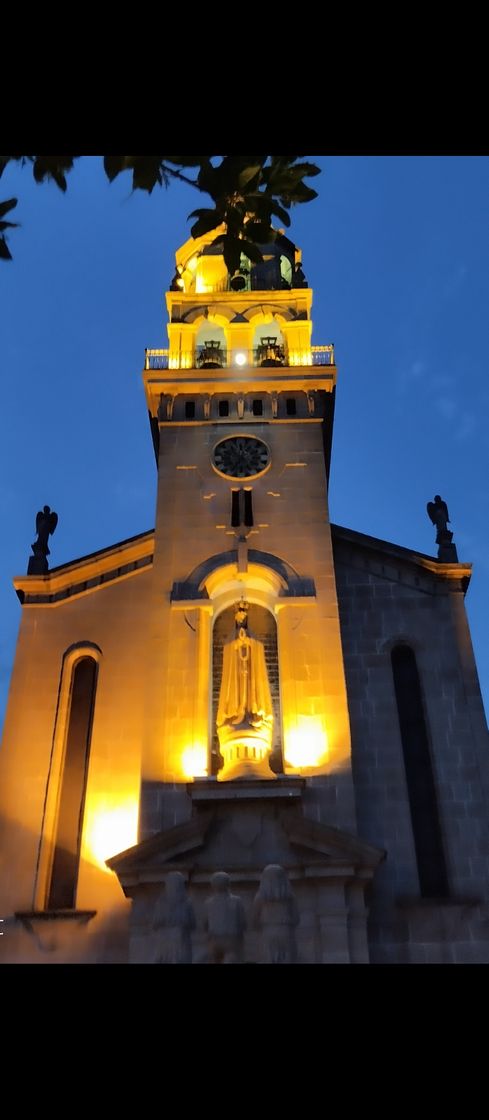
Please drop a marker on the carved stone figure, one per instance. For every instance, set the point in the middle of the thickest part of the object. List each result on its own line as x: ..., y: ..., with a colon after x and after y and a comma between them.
x: 438, y: 514
x: 174, y: 919
x: 245, y: 712
x: 298, y: 279
x: 224, y: 922
x: 275, y: 914
x: 46, y: 522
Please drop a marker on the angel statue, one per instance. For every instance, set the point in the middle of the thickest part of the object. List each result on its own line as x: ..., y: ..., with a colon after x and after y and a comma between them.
x: 46, y: 522
x: 438, y: 514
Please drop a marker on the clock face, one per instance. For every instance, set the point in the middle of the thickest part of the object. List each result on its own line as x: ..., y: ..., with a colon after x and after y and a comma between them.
x: 241, y: 457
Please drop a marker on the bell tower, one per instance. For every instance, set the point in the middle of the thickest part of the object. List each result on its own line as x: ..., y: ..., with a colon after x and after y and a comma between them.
x: 241, y: 410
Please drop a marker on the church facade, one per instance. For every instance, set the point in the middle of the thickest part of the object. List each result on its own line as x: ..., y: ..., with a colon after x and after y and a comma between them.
x: 248, y: 735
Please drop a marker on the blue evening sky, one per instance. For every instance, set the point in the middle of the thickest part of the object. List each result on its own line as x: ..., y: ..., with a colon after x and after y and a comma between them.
x: 396, y: 251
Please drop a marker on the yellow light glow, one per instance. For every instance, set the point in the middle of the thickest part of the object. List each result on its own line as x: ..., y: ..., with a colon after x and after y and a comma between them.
x: 194, y: 762
x: 110, y: 830
x: 306, y: 743
x: 180, y: 360
x: 300, y: 358
x: 240, y: 359
x: 192, y: 264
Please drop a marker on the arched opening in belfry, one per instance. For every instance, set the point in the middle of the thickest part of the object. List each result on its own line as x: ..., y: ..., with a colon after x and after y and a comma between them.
x: 263, y: 628
x: 210, y: 344
x: 269, y: 343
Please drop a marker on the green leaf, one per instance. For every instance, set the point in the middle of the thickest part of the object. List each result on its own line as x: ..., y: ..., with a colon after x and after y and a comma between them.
x: 259, y: 232
x: 223, y: 184
x: 278, y: 180
x: 200, y: 212
x: 59, y: 180
x: 113, y: 165
x: 251, y: 251
x: 52, y: 167
x: 146, y: 172
x: 234, y: 217
x: 8, y: 205
x: 185, y: 161
x: 276, y: 161
x: 306, y: 169
x: 302, y: 193
x: 206, y: 179
x: 247, y: 174
x: 5, y: 254
x: 232, y: 248
x: 207, y: 220
x: 280, y: 213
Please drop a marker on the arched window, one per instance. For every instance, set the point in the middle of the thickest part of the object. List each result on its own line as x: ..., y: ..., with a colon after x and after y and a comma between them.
x: 61, y: 894
x: 428, y: 843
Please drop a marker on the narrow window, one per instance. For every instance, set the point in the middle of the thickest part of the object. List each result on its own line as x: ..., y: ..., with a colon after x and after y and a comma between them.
x: 223, y: 408
x: 248, y: 508
x: 64, y: 873
x: 235, y: 518
x: 241, y: 508
x: 428, y: 843
x: 291, y: 406
x: 190, y: 410
x: 257, y: 407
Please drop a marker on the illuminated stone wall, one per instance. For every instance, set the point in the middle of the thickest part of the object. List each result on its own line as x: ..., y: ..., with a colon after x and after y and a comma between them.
x: 291, y: 523
x: 113, y: 620
x: 385, y: 599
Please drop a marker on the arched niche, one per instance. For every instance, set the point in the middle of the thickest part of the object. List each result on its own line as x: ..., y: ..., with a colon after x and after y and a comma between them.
x: 263, y: 627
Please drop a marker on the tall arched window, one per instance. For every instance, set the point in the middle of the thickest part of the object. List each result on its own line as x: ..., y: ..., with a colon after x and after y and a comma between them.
x: 67, y: 842
x: 428, y: 843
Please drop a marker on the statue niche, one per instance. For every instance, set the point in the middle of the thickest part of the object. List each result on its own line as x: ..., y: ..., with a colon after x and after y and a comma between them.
x: 245, y: 712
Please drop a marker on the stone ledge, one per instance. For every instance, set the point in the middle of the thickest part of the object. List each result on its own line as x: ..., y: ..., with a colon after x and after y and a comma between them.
x: 54, y: 929
x: 27, y: 917
x: 414, y: 902
x: 246, y: 789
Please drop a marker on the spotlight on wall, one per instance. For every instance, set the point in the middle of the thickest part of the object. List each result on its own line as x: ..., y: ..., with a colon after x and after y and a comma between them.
x: 240, y: 358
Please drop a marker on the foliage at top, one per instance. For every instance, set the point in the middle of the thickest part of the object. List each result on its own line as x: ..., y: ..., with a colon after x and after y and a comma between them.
x: 247, y: 192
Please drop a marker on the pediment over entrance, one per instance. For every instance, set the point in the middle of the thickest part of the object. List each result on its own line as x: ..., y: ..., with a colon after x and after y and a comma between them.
x: 242, y: 834
x: 197, y: 846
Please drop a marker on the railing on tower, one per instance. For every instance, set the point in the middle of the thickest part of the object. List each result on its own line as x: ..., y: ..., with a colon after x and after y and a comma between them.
x: 212, y: 356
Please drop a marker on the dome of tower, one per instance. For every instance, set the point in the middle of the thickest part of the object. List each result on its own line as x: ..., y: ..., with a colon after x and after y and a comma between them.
x: 200, y: 266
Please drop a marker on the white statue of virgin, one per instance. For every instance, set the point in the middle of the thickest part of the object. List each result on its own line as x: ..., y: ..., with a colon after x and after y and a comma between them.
x: 245, y: 713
